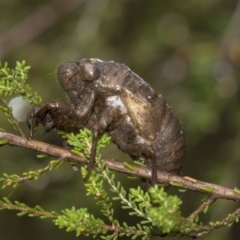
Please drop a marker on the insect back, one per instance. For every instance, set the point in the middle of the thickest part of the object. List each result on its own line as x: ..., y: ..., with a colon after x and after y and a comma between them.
x: 156, y: 134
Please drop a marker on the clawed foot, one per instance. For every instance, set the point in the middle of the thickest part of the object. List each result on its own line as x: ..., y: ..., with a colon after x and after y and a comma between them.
x: 40, y: 115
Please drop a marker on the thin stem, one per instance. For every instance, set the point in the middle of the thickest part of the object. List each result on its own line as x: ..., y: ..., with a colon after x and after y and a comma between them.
x: 13, y: 119
x: 206, y: 203
x: 230, y: 219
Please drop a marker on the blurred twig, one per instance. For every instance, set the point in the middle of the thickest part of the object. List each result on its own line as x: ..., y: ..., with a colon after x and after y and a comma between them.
x: 231, y: 37
x: 233, y: 30
x: 35, y: 24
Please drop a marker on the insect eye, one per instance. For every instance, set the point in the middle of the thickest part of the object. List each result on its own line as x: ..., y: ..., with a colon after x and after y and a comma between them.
x: 65, y: 74
x: 90, y: 71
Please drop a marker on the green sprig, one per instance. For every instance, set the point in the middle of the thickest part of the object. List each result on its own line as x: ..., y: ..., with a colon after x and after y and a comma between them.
x: 23, y: 209
x: 14, y: 180
x: 166, y: 214
x: 81, y: 221
x: 14, y: 81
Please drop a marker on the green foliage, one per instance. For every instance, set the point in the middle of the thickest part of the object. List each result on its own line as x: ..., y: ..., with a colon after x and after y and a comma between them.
x: 14, y: 180
x: 81, y: 221
x: 154, y: 208
x: 14, y: 81
x: 23, y: 209
x: 228, y: 221
x: 7, y: 111
x: 157, y: 212
x: 166, y: 214
x: 150, y: 207
x: 82, y: 142
x: 189, y: 51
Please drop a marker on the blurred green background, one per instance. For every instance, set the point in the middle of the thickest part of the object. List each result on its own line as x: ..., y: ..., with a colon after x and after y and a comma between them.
x: 189, y: 51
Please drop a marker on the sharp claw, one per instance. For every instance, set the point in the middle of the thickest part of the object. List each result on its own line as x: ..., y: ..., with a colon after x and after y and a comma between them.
x: 31, y: 121
x: 38, y: 115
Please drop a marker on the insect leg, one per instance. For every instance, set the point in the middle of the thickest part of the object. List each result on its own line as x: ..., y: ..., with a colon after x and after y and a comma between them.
x: 91, y: 162
x: 154, y: 169
x: 98, y: 123
x: 33, y: 119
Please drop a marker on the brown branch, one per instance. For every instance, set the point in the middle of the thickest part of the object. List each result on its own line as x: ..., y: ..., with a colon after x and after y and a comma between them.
x: 206, y: 203
x: 225, y: 222
x: 232, y: 32
x: 212, y: 190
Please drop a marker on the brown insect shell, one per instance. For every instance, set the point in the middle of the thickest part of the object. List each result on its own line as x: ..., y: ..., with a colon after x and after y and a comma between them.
x: 157, y: 130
